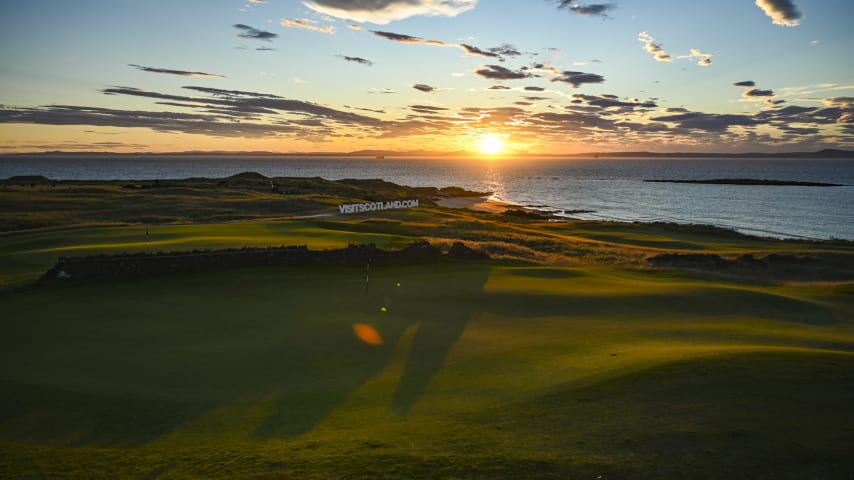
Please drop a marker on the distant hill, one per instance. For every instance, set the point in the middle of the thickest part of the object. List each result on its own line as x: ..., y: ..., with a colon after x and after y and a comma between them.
x: 410, y: 153
x: 826, y: 153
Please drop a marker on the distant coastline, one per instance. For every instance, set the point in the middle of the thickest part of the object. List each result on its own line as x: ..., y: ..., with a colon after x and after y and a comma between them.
x: 611, y: 189
x: 380, y: 154
x: 751, y: 181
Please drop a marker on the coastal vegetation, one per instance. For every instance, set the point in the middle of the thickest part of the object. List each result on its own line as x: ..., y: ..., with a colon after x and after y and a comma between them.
x: 579, y: 349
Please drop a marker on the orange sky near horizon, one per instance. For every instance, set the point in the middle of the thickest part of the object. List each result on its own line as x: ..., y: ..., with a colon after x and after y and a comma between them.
x: 545, y: 76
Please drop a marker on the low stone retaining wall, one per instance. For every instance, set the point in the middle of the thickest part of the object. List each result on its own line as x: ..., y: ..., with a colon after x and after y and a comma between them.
x: 145, y: 264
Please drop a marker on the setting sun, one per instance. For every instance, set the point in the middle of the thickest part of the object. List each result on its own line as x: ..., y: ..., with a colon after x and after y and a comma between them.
x: 491, y: 144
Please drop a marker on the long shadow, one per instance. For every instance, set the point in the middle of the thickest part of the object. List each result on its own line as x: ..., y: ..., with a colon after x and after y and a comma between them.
x: 439, y: 299
x: 126, y: 363
x: 129, y: 362
x: 712, y: 302
x: 439, y: 328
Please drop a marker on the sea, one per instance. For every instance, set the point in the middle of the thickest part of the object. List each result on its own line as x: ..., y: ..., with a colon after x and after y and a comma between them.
x: 611, y: 189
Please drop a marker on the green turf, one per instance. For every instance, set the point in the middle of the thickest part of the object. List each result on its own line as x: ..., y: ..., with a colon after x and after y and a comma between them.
x: 25, y: 256
x: 566, y: 356
x: 485, y: 371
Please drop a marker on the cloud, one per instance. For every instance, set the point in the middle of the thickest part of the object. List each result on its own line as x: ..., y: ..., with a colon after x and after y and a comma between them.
x: 238, y: 102
x: 711, y: 122
x: 505, y: 50
x: 218, y: 92
x: 250, y: 33
x: 382, y: 12
x: 704, y: 59
x: 425, y: 88
x: 427, y: 109
x: 399, y: 37
x: 755, y: 92
x: 182, y: 73
x: 206, y: 124
x: 839, y: 102
x: 471, y: 50
x: 539, y: 67
x: 501, y: 52
x: 572, y: 121
x: 613, y: 101
x: 576, y: 79
x: 307, y: 24
x: 782, y: 12
x: 497, y: 72
x: 499, y: 87
x: 593, y: 9
x: 654, y: 48
x: 361, y: 60
x: 840, y: 112
x: 534, y: 89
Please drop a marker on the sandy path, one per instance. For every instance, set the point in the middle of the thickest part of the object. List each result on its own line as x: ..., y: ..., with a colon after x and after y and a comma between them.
x: 482, y: 204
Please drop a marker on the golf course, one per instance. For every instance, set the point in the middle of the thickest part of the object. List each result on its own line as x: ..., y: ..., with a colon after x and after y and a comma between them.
x: 568, y: 353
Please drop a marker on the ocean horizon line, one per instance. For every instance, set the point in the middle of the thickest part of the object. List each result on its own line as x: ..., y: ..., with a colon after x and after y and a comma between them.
x: 823, y: 153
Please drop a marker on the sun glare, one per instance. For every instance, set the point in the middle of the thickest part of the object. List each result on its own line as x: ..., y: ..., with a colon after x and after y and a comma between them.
x: 491, y: 144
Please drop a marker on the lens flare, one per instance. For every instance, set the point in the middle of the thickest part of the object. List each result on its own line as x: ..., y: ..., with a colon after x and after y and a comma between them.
x: 368, y: 334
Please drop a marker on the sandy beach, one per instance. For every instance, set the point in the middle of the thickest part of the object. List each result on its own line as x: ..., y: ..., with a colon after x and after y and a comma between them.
x: 483, y: 204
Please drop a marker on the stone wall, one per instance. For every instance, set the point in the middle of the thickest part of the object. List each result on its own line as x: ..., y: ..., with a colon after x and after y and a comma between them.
x: 146, y: 264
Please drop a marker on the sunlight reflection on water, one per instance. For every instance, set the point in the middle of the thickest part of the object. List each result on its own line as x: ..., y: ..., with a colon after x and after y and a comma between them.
x: 613, y: 189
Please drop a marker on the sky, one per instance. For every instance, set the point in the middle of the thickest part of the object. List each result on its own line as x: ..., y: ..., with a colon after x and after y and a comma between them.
x: 483, y: 76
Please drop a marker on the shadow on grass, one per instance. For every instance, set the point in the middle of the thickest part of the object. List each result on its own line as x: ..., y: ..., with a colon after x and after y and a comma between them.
x: 439, y: 328
x: 748, y: 415
x: 126, y: 363
x: 718, y: 302
x: 438, y: 301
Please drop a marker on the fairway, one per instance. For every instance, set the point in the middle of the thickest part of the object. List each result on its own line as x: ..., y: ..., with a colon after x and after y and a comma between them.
x: 472, y: 369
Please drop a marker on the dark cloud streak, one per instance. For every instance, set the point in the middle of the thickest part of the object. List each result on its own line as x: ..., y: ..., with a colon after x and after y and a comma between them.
x: 576, y: 79
x: 360, y: 60
x: 501, y: 52
x: 755, y: 92
x: 497, y: 72
x: 425, y: 88
x: 182, y: 73
x: 592, y: 9
x: 251, y: 33
x: 399, y: 37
